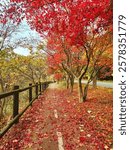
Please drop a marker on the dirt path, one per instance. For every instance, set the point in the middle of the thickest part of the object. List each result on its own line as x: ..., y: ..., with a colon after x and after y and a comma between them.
x: 54, y: 86
x: 56, y: 121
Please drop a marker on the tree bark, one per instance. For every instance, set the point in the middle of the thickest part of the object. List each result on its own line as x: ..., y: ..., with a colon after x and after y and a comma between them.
x: 95, y: 82
x: 71, y: 83
x: 67, y: 81
x: 80, y: 91
x: 85, y: 95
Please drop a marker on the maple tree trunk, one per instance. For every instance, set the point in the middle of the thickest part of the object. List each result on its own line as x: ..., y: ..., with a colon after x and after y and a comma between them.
x: 71, y: 83
x: 80, y: 91
x: 85, y: 92
x: 67, y: 81
x: 95, y: 82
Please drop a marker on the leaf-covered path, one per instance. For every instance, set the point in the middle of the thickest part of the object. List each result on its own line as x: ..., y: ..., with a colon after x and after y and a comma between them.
x: 56, y: 121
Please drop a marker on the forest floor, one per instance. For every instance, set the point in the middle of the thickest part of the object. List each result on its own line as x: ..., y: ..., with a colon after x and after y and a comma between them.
x: 57, y: 121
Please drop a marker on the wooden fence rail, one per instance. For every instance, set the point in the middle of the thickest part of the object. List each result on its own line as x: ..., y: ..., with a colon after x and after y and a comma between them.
x: 39, y: 87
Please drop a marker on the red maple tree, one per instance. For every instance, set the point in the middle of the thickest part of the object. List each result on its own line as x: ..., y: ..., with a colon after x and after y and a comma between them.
x: 78, y: 24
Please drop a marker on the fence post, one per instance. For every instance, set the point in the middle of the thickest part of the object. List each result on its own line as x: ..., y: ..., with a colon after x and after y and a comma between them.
x: 40, y: 84
x: 30, y: 92
x: 36, y: 90
x: 16, y: 103
x: 44, y: 85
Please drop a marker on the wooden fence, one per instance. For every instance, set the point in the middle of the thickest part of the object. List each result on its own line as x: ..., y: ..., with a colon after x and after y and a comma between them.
x: 38, y: 87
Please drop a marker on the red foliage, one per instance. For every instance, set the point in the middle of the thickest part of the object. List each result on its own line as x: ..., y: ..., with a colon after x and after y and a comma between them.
x: 58, y: 76
x: 12, y: 12
x: 68, y: 23
x: 71, y: 19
